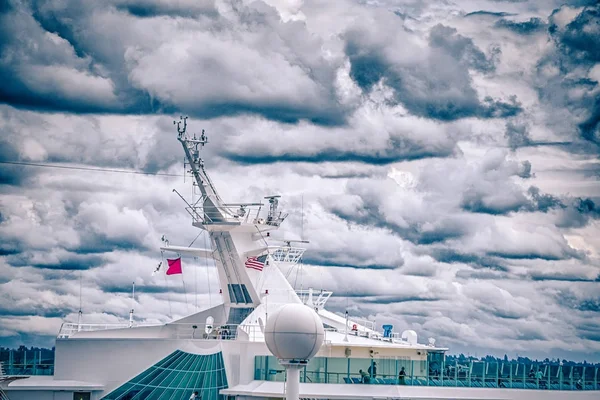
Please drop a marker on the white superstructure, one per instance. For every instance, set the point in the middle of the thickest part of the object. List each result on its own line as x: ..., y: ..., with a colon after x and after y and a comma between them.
x: 221, y: 352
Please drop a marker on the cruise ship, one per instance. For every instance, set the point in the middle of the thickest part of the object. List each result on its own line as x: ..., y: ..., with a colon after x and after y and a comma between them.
x: 220, y: 352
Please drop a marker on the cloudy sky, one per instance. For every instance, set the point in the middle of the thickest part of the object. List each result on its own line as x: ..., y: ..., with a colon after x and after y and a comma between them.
x: 445, y: 154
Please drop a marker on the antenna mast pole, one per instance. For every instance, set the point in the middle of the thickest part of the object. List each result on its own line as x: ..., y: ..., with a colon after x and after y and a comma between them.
x: 302, y: 220
x: 214, y: 210
x: 80, y: 313
x: 132, y: 304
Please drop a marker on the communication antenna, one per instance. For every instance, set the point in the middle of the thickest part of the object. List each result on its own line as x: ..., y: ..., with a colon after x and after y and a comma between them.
x: 132, y: 304
x: 302, y: 219
x: 80, y: 313
x: 181, y: 130
x: 346, y: 330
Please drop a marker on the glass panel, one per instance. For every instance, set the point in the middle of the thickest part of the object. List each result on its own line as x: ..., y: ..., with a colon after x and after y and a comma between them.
x: 231, y: 294
x: 386, y: 370
x: 315, y: 370
x: 186, y: 373
x: 360, y: 369
x: 246, y: 294
x: 275, y: 372
x: 492, y: 372
x: 589, y: 378
x: 477, y: 373
x: 119, y: 392
x: 337, y: 370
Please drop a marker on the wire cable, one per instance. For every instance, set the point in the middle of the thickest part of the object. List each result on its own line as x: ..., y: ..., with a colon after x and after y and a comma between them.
x: 120, y: 171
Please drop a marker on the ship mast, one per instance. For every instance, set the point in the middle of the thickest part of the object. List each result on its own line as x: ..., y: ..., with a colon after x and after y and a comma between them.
x: 214, y: 210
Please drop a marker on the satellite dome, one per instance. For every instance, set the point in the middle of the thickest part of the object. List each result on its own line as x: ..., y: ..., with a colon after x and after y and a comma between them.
x: 294, y: 332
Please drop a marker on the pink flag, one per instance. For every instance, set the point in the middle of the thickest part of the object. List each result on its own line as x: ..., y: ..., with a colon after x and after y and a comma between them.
x: 174, y: 266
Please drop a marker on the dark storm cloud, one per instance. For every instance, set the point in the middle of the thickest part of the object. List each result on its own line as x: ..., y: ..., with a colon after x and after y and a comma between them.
x: 147, y: 289
x: 50, y: 311
x: 149, y: 9
x: 369, y: 214
x: 328, y: 260
x: 96, y: 243
x: 444, y: 38
x: 533, y: 200
x: 572, y: 299
x: 399, y: 299
x: 558, y: 276
x: 542, y: 201
x: 39, y: 69
x: 590, y: 127
x: 479, y: 202
x: 590, y: 331
x: 450, y: 256
x: 578, y: 213
x: 517, y: 134
x: 592, y: 305
x: 533, y: 255
x: 575, y: 55
x: 59, y: 64
x: 437, y: 87
x: 11, y: 174
x: 10, y: 247
x: 62, y: 261
x: 399, y: 151
x: 489, y: 13
x: 580, y: 37
x: 523, y: 28
x: 483, y: 274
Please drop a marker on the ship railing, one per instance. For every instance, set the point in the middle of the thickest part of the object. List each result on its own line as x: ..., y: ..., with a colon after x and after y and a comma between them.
x: 288, y: 254
x: 249, y: 332
x: 176, y: 330
x: 69, y: 328
x: 234, y: 213
x: 319, y: 297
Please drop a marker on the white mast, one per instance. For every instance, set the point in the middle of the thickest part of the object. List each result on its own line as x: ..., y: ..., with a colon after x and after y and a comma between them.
x: 235, y: 230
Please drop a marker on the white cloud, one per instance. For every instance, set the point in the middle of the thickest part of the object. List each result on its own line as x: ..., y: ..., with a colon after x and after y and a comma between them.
x: 443, y: 226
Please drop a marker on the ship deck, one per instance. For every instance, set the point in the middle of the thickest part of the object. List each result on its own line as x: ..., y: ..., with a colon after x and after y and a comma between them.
x: 266, y: 389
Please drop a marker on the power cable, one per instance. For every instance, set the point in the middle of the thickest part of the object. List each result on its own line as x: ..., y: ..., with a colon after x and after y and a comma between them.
x: 120, y: 171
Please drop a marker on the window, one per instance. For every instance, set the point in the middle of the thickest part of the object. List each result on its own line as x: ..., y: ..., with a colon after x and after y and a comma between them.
x: 176, y: 376
x: 82, y: 396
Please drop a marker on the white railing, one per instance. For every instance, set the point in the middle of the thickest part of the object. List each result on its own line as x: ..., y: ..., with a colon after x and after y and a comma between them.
x: 235, y: 213
x: 287, y: 254
x: 68, y: 328
x: 175, y: 330
x: 319, y: 297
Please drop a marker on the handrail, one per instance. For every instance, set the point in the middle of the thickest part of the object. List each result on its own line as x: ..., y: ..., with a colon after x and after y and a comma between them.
x: 194, y: 331
x: 175, y: 330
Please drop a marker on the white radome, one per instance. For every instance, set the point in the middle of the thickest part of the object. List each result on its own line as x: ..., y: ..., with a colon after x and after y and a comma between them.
x: 294, y: 332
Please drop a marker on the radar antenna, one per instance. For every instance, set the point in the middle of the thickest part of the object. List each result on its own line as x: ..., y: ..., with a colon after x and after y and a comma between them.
x: 181, y: 130
x: 289, y: 242
x: 274, y: 217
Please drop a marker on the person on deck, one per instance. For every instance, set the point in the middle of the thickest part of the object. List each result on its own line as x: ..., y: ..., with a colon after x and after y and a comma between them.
x: 364, y: 376
x: 194, y: 396
x: 539, y: 377
x: 373, y: 370
x: 401, y: 377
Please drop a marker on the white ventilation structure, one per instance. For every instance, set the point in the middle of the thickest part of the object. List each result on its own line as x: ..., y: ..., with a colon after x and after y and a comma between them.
x: 410, y: 337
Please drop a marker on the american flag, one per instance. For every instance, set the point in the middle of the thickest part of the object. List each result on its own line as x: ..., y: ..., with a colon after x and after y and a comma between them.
x: 256, y: 263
